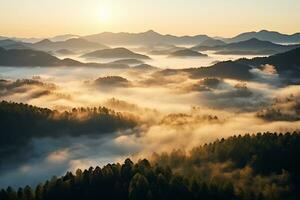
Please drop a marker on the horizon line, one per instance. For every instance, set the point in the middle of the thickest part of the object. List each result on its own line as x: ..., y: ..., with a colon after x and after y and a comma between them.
x: 148, y: 30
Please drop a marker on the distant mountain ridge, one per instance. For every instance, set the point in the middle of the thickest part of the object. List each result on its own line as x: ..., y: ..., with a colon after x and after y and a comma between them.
x: 115, y: 53
x: 11, y: 44
x: 145, y: 38
x: 152, y: 37
x: 48, y: 45
x: 64, y: 37
x: 33, y: 58
x: 56, y: 38
x: 251, y: 46
x: 70, y: 44
x: 212, y: 42
x: 286, y: 64
x: 27, y: 57
x: 266, y: 35
x: 3, y: 38
x: 186, y: 53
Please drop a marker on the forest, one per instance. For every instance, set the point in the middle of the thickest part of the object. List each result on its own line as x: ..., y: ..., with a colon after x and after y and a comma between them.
x: 149, y: 100
x: 36, y: 122
x: 260, y: 166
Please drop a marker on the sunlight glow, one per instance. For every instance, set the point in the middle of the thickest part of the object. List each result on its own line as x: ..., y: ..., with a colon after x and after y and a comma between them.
x: 105, y: 14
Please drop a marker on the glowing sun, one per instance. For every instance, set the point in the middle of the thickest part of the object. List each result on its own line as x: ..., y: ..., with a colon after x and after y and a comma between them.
x: 105, y: 14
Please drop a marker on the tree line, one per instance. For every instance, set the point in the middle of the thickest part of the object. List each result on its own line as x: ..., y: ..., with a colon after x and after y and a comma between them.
x: 22, y: 122
x: 261, y: 165
x: 134, y: 181
x: 256, y: 167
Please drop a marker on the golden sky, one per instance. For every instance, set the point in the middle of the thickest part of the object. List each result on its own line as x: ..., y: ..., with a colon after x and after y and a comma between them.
x: 43, y: 18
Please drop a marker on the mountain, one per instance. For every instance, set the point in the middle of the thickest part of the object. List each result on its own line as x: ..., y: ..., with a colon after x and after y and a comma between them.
x: 146, y: 38
x: 70, y: 44
x: 26, y: 40
x: 187, y: 53
x: 111, y: 81
x: 60, y: 38
x: 11, y: 44
x: 212, y: 42
x: 144, y: 68
x: 27, y: 57
x: 246, y: 52
x: 287, y: 64
x: 115, y: 53
x: 64, y: 52
x: 256, y: 44
x: 159, y: 49
x: 252, y: 46
x: 227, y: 69
x: 33, y: 58
x: 128, y: 61
x: 54, y: 39
x: 271, y: 36
x: 3, y: 38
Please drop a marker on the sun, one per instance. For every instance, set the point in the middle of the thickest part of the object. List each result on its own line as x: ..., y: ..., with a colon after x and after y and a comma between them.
x: 104, y: 14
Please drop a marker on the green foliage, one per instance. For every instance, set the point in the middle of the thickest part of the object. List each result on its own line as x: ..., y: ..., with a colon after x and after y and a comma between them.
x: 138, y: 181
x: 257, y: 165
x: 250, y: 167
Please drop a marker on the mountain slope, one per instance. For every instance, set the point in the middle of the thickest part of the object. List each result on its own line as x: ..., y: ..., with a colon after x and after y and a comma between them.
x: 287, y: 63
x: 251, y: 46
x: 186, y: 53
x: 27, y: 57
x: 64, y: 37
x: 256, y: 44
x: 211, y: 43
x: 226, y: 69
x: 70, y: 44
x: 271, y: 36
x: 115, y: 53
x: 11, y: 44
x: 33, y: 58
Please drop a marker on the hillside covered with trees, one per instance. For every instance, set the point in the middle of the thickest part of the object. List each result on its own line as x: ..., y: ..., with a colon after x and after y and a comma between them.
x: 261, y: 166
x: 22, y: 122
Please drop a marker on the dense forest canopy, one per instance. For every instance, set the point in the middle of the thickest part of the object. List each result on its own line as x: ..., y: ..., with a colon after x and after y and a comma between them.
x: 261, y: 166
x: 22, y: 122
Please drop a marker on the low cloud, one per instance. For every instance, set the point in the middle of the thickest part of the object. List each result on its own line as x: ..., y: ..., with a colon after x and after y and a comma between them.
x: 174, y: 112
x: 282, y: 109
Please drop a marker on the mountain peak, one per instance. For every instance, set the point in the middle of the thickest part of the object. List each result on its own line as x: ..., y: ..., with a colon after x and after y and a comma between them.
x: 254, y: 40
x: 264, y: 31
x: 7, y: 40
x: 76, y: 40
x: 151, y: 32
x: 45, y: 41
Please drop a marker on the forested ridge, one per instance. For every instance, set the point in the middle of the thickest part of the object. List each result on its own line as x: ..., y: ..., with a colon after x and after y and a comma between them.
x: 261, y: 166
x: 22, y: 122
x: 31, y: 120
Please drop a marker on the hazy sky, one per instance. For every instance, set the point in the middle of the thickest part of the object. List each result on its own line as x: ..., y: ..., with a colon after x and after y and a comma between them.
x: 36, y: 18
